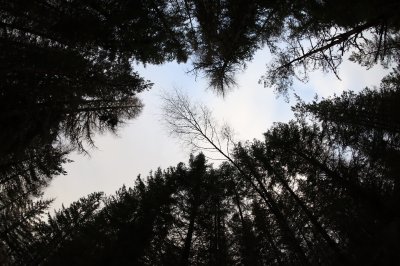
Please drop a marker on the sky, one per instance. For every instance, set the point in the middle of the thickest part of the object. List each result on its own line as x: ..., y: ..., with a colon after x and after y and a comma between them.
x: 143, y: 144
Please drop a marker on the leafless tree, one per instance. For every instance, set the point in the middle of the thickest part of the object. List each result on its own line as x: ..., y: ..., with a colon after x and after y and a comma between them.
x: 195, y: 126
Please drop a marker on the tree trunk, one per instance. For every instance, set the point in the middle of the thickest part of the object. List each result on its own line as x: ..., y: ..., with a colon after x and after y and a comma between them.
x: 189, y: 235
x: 356, y: 192
x: 313, y: 219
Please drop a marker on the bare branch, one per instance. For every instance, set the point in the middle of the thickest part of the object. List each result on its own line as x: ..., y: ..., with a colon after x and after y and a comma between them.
x: 194, y: 125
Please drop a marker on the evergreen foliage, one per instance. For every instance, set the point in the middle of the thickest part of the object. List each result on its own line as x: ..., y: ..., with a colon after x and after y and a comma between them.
x: 322, y: 189
x: 305, y: 195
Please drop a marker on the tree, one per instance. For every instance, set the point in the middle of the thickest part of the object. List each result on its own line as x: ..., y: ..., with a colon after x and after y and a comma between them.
x: 369, y: 110
x: 195, y: 125
x: 310, y: 193
x: 119, y: 28
x: 141, y: 225
x: 302, y: 36
x: 366, y: 122
x: 125, y: 227
x: 266, y: 163
x: 17, y: 229
x: 310, y: 179
x: 194, y: 183
x: 270, y: 205
x: 43, y: 100
x: 67, y: 74
x: 58, y: 236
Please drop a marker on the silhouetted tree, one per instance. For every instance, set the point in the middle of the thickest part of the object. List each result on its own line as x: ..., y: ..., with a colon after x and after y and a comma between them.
x: 311, y: 178
x: 195, y: 124
x: 319, y: 190
x: 301, y: 35
x: 17, y: 230
x: 67, y: 73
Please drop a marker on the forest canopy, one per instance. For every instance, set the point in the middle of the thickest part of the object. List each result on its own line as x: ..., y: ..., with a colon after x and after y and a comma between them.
x: 321, y: 189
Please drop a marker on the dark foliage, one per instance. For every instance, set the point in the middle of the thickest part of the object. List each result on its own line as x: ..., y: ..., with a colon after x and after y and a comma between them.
x: 310, y: 193
x: 320, y: 190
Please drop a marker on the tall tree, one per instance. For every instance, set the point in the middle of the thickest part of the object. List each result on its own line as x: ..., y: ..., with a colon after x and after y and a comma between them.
x: 194, y: 183
x: 366, y: 122
x: 67, y: 74
x: 301, y: 35
x: 195, y: 124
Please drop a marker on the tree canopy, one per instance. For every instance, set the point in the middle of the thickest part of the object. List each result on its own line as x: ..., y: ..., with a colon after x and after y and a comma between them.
x: 309, y: 193
x: 322, y: 189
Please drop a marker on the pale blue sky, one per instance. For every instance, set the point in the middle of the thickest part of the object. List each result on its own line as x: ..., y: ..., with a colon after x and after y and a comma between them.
x: 143, y: 144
